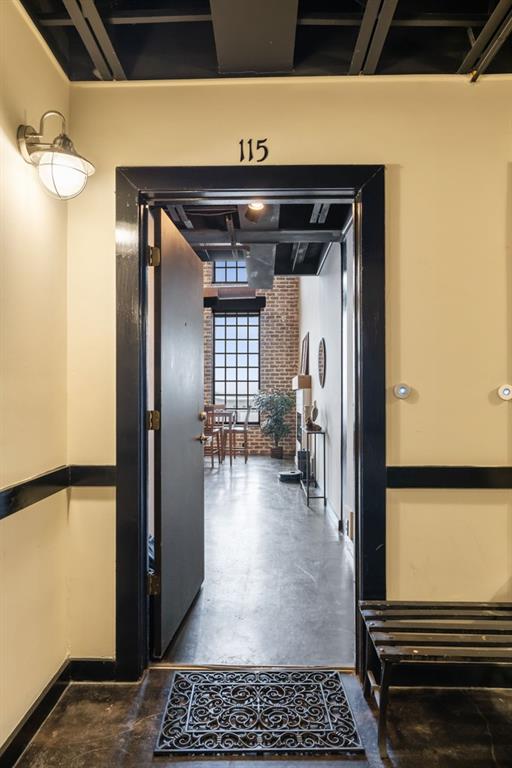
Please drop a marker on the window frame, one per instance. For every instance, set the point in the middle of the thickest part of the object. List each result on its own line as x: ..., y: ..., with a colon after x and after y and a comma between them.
x: 237, y: 264
x: 254, y: 419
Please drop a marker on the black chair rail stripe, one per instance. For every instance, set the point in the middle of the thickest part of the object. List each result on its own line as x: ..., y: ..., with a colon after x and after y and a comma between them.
x: 28, y: 492
x: 449, y: 477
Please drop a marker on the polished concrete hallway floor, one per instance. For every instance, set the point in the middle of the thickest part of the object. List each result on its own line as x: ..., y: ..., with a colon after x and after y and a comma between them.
x: 278, y: 587
x: 116, y: 726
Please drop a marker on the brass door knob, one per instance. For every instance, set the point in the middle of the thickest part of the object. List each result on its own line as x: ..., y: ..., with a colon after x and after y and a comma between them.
x: 202, y: 438
x: 202, y: 416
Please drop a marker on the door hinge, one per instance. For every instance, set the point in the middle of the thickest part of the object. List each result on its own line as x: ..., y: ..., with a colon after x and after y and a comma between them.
x: 153, y: 420
x: 153, y: 256
x: 153, y: 583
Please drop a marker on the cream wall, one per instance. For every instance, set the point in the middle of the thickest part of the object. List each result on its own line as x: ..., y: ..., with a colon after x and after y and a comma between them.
x: 447, y: 146
x: 320, y: 316
x: 33, y: 390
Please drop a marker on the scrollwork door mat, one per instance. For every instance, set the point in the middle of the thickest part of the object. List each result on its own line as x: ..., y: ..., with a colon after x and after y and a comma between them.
x: 290, y: 712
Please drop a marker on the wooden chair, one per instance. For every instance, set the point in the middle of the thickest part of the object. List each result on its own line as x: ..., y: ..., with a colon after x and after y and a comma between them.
x: 241, y: 430
x: 213, y: 445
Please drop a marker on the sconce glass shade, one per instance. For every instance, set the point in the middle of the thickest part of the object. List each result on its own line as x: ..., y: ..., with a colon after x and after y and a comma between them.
x: 64, y: 176
x: 62, y: 171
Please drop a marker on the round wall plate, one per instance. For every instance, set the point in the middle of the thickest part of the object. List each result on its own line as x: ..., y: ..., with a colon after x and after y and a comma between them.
x: 402, y: 391
x: 505, y: 392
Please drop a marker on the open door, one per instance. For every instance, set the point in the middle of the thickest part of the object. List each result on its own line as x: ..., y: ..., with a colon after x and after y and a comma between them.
x: 178, y: 452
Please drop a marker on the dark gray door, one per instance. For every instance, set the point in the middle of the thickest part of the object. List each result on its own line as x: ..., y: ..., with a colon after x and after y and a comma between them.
x: 179, y: 503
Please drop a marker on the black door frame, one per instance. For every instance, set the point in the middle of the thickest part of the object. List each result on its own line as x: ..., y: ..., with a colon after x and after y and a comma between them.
x: 136, y: 188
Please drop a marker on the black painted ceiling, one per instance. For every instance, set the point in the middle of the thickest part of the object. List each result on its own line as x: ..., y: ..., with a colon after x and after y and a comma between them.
x: 169, y: 39
x: 295, y: 234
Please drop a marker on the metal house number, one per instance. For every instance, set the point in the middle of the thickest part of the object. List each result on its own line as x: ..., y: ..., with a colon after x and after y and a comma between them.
x: 253, y: 150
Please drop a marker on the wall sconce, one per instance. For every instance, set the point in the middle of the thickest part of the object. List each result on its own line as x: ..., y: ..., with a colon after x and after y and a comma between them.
x: 505, y: 392
x: 401, y: 391
x: 62, y: 171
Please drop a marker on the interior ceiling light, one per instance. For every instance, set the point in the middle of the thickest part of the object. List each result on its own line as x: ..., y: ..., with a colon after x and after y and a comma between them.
x: 254, y: 210
x: 63, y: 172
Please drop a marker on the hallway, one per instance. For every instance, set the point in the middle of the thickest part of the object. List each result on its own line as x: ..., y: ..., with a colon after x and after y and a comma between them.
x: 278, y: 588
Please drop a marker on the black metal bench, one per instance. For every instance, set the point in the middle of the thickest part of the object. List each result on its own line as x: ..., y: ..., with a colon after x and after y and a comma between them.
x: 403, y: 633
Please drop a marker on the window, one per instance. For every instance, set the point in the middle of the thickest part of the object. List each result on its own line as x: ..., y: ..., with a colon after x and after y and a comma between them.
x: 236, y: 361
x: 229, y: 272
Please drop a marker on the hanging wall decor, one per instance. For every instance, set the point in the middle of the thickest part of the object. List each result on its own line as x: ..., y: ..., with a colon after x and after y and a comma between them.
x: 322, y: 362
x: 304, y: 355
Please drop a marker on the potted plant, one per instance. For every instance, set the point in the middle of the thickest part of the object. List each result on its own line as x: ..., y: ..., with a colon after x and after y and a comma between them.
x: 275, y: 406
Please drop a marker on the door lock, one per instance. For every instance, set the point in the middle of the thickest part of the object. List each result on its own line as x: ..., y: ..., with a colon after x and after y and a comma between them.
x: 202, y: 438
x: 202, y: 416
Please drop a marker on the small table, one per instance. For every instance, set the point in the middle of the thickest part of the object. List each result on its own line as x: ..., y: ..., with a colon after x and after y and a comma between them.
x: 306, y: 484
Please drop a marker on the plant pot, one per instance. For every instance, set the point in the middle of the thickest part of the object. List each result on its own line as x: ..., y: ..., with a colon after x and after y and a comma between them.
x: 276, y: 453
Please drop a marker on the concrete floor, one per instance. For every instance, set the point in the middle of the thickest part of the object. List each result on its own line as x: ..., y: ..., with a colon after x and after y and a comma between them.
x: 278, y: 587
x: 115, y: 726
x: 278, y: 591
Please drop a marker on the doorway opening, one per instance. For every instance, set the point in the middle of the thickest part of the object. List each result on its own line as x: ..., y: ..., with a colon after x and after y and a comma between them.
x: 278, y: 586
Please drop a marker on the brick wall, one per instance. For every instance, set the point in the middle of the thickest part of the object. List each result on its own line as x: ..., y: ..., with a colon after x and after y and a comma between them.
x: 279, y: 355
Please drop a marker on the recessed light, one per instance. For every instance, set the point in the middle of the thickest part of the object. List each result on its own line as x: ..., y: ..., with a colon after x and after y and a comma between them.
x: 256, y: 205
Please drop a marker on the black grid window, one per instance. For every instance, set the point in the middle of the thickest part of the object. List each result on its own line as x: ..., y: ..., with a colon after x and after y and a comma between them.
x: 229, y: 272
x: 236, y: 361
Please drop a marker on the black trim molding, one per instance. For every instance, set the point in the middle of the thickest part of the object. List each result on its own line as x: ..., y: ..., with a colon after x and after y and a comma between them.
x: 98, y: 476
x: 37, y: 714
x: 79, y: 670
x: 93, y: 670
x: 234, y: 305
x: 28, y: 492
x: 449, y: 477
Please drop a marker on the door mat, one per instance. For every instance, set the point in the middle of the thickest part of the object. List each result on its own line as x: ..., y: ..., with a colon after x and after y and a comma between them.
x: 290, y: 712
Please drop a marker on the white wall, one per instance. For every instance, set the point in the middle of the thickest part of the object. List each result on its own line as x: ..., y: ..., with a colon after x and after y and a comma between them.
x: 320, y: 316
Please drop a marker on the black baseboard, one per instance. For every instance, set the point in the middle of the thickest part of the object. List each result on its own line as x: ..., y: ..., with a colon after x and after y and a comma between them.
x: 37, y: 714
x: 74, y: 670
x: 93, y: 670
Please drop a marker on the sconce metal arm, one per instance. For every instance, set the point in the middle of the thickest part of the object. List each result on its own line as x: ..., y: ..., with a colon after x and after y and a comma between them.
x: 29, y: 140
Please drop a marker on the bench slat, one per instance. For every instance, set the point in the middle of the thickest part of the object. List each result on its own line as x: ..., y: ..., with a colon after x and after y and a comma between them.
x: 430, y: 653
x: 441, y: 639
x: 458, y: 625
x: 448, y: 613
x: 384, y: 604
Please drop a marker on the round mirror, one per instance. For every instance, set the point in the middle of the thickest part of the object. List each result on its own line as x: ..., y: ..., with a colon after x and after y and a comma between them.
x: 322, y: 362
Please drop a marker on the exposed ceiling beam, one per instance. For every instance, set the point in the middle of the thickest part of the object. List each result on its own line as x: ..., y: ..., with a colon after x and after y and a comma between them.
x: 90, y: 12
x: 253, y: 37
x: 324, y: 212
x: 299, y: 251
x: 485, y: 36
x: 493, y: 48
x: 379, y: 36
x: 363, y: 38
x: 314, y: 213
x: 98, y: 59
x: 208, y: 237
